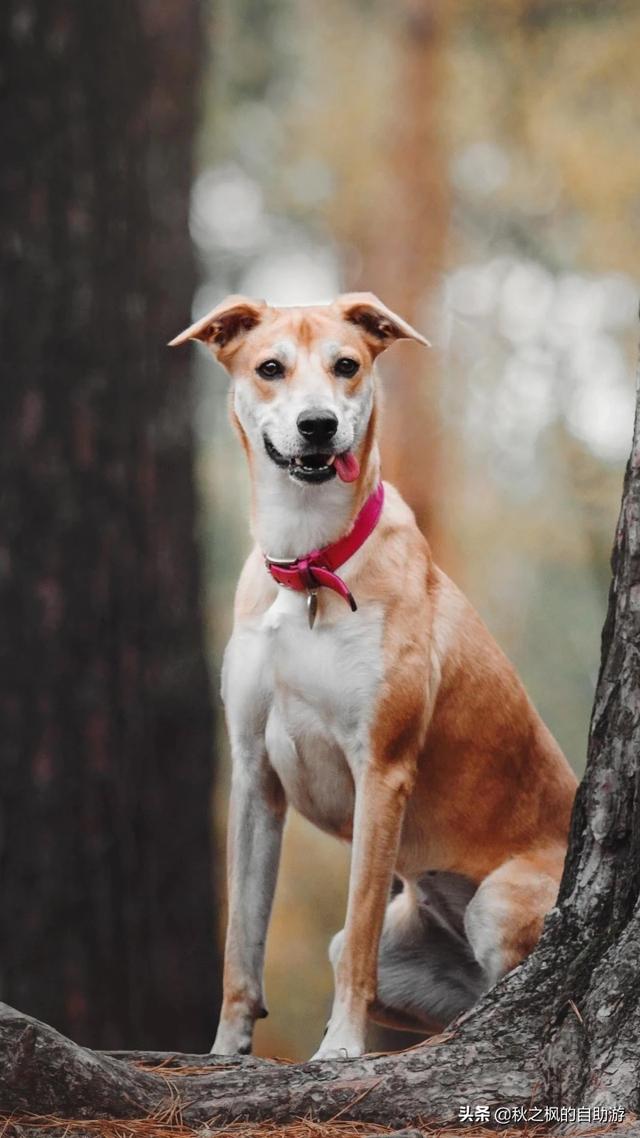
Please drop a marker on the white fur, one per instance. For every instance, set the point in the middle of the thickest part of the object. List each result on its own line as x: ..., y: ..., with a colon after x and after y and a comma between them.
x: 300, y: 701
x: 292, y: 518
x: 319, y: 686
x: 485, y: 919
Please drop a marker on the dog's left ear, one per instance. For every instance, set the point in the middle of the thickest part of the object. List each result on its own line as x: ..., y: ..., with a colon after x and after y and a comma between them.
x: 226, y: 322
x: 380, y: 325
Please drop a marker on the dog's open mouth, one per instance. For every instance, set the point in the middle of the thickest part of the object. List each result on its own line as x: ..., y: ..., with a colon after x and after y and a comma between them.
x: 315, y: 467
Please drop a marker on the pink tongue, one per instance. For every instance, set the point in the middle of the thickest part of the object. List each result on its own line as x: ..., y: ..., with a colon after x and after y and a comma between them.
x: 347, y: 466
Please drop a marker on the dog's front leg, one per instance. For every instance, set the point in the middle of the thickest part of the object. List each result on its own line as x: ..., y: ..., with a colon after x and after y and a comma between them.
x: 256, y: 819
x: 381, y: 794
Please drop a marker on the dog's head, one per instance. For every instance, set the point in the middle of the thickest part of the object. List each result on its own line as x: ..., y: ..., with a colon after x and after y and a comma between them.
x: 303, y: 377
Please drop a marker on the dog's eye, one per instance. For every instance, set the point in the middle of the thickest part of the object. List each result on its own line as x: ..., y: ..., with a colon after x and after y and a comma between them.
x: 346, y: 367
x: 270, y: 369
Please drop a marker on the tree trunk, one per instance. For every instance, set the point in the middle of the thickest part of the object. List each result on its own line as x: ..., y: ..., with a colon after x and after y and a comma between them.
x: 106, y: 922
x: 403, y: 241
x: 562, y: 1030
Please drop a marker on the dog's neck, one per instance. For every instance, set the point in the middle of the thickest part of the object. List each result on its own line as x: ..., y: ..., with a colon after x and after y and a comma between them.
x: 290, y: 519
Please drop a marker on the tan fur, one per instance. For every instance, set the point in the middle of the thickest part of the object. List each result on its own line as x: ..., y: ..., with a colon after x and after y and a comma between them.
x: 463, y: 774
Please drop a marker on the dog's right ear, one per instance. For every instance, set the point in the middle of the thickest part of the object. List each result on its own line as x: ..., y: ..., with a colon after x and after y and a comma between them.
x: 226, y: 322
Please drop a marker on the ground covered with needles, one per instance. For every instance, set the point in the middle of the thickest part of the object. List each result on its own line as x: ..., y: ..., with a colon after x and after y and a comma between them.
x: 167, y: 1126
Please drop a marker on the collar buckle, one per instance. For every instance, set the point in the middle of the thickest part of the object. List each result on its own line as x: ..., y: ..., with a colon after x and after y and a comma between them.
x: 283, y: 562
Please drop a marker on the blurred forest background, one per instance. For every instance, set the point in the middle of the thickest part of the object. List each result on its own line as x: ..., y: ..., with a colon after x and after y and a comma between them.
x: 476, y: 165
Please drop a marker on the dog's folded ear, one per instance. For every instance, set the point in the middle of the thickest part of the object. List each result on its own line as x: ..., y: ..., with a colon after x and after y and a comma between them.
x: 379, y: 324
x: 226, y: 322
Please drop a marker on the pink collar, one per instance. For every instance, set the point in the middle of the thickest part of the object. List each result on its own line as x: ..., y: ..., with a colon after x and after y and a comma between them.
x: 317, y: 569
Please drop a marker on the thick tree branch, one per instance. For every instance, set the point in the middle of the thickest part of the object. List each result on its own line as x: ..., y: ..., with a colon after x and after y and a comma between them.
x: 43, y: 1072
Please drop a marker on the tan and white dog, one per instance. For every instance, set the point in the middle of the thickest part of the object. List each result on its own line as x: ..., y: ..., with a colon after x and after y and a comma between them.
x: 400, y: 727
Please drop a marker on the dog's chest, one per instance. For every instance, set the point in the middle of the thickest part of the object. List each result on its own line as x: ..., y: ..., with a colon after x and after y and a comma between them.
x: 321, y: 686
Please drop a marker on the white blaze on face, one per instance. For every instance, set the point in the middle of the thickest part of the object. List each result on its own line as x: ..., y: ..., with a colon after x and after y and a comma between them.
x: 309, y: 386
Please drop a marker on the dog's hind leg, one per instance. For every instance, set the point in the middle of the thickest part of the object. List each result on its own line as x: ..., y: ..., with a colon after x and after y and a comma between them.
x: 504, y: 919
x: 427, y: 974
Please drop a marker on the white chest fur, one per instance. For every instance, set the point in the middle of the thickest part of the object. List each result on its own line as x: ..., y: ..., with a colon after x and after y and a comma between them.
x: 309, y: 696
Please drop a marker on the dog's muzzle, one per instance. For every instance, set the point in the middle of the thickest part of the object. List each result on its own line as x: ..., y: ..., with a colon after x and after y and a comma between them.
x: 316, y: 466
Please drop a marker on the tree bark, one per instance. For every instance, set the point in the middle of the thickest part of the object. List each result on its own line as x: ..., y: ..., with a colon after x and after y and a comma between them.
x: 595, y: 1055
x: 44, y: 1073
x: 106, y: 729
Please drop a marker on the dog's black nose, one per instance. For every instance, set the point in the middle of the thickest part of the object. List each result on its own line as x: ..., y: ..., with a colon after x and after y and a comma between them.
x: 317, y: 426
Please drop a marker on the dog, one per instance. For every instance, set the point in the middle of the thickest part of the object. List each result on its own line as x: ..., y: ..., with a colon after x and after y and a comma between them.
x: 362, y: 688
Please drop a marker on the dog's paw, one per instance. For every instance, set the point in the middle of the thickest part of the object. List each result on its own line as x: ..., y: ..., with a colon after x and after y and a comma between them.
x: 230, y: 1042
x: 323, y: 1052
x: 343, y: 1037
x: 338, y: 1046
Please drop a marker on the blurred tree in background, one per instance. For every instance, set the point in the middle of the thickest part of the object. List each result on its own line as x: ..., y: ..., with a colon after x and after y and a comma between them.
x: 478, y: 166
x: 106, y: 915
